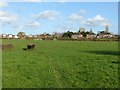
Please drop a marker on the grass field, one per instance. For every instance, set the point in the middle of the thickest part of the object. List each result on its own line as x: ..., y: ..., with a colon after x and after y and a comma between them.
x: 60, y: 64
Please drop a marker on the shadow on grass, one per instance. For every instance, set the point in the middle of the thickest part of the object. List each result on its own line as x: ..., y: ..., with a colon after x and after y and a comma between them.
x: 116, y: 53
x: 116, y: 62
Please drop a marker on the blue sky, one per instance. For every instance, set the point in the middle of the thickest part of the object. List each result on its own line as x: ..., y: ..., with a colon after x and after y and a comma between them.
x: 49, y: 17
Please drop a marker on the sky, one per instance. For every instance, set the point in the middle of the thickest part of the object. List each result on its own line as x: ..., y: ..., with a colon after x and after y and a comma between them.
x: 49, y: 17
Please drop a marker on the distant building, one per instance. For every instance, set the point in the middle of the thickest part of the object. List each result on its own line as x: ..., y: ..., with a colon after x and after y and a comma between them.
x: 104, y: 34
x: 0, y: 36
x: 116, y: 36
x: 4, y: 36
x: 77, y: 36
x: 90, y: 34
x: 106, y: 29
x: 43, y: 36
x: 10, y: 36
x: 57, y: 35
x: 91, y: 31
x: 81, y: 29
x: 15, y: 37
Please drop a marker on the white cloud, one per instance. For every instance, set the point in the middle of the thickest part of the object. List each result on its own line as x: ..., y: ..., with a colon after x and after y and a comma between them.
x: 3, y: 4
x: 7, y: 18
x: 97, y: 21
x: 33, y: 24
x: 48, y: 15
x: 99, y: 18
x: 17, y: 27
x: 82, y: 11
x: 75, y: 17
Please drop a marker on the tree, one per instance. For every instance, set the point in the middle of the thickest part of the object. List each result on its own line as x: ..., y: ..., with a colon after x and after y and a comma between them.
x: 21, y: 34
x: 84, y: 34
x: 87, y: 32
x: 67, y: 34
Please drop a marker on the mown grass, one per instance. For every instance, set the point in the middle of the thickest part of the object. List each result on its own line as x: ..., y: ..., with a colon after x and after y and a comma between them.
x: 60, y: 64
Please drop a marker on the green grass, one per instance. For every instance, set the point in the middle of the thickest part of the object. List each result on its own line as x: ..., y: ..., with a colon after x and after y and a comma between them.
x: 60, y: 64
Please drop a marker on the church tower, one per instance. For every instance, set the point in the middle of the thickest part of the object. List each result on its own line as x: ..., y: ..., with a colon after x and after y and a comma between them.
x: 106, y: 28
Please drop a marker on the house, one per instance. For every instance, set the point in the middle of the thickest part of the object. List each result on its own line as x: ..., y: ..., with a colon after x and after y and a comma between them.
x: 30, y: 36
x: 104, y: 34
x: 57, y: 35
x: 90, y: 36
x: 77, y: 36
x: 35, y: 36
x: 116, y: 36
x: 4, y: 36
x: 15, y: 37
x: 0, y: 36
x: 10, y: 36
x: 43, y: 36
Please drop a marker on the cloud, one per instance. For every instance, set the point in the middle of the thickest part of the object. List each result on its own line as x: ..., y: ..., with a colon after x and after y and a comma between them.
x: 75, y: 17
x: 33, y: 24
x: 82, y: 11
x: 48, y: 15
x: 17, y: 27
x: 3, y: 4
x: 97, y: 21
x: 7, y: 18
